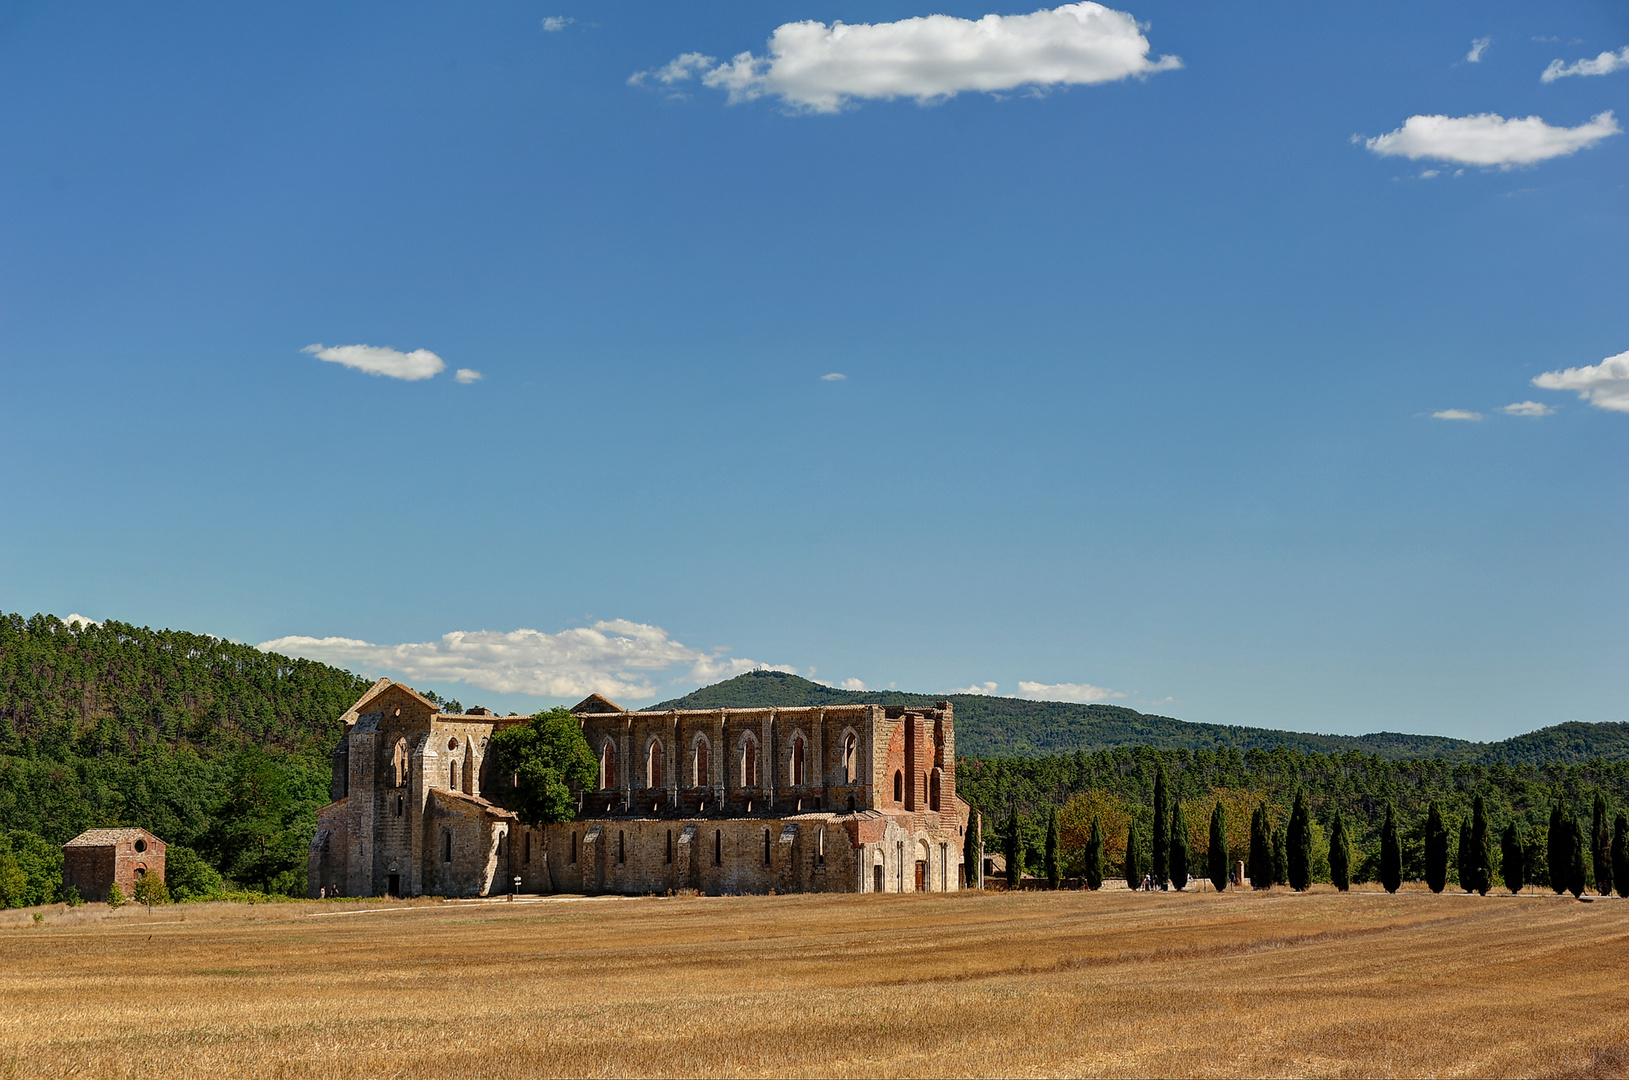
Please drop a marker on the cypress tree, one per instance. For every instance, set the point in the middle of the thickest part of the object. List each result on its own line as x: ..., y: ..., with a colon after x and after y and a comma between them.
x: 1340, y: 854
x: 1620, y: 854
x: 1436, y: 849
x: 1014, y: 852
x: 1134, y: 858
x: 1576, y: 870
x: 1558, y: 850
x: 1162, y: 839
x: 1261, y: 851
x: 1481, y: 847
x: 1299, y: 844
x: 1281, y: 861
x: 973, y: 849
x: 1054, y: 870
x: 1465, y: 858
x: 1513, y: 858
x: 1391, y: 853
x: 1094, y: 856
x: 1179, y: 847
x: 1600, y: 847
x: 1216, y: 855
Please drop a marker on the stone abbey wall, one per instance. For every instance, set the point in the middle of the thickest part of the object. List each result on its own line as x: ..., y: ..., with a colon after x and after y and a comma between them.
x: 850, y: 798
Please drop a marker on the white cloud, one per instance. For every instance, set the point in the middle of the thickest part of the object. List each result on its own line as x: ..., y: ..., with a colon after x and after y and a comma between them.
x: 835, y: 376
x: 976, y: 688
x: 680, y: 69
x: 1478, y: 47
x: 1604, y: 385
x: 1489, y: 139
x: 466, y: 375
x: 1456, y: 414
x: 852, y: 684
x: 1081, y: 693
x: 553, y: 24
x: 820, y: 68
x: 1604, y: 64
x: 77, y: 619
x: 418, y: 364
x: 623, y: 660
x: 1528, y: 408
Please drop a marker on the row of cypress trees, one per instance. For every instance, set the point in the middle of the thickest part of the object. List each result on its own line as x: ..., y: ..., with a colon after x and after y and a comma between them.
x: 1285, y: 856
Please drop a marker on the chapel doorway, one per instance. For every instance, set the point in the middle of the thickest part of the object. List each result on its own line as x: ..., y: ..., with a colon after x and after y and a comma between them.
x: 921, y: 876
x: 877, y: 874
x: 394, y: 888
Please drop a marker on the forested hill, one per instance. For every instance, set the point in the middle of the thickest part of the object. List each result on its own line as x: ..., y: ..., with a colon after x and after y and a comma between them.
x: 209, y: 744
x: 988, y: 726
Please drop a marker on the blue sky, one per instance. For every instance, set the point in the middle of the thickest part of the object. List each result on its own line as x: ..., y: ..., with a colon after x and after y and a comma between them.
x: 1141, y: 364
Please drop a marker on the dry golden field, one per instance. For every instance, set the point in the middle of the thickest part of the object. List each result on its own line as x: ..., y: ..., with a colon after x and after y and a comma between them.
x: 1055, y: 984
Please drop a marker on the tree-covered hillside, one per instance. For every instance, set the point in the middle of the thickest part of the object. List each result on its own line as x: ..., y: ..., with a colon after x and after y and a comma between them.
x: 988, y: 726
x: 211, y: 745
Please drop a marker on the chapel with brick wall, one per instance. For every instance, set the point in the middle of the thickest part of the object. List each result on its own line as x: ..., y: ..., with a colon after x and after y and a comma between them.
x: 847, y: 798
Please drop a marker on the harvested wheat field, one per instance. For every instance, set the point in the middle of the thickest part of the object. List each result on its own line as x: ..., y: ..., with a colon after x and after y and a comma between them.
x: 1044, y: 984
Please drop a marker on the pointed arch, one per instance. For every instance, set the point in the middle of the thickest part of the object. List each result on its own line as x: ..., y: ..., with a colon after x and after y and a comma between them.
x: 653, y: 763
x: 701, y: 773
x: 851, y: 755
x: 608, y: 764
x: 798, y: 753
x: 398, y: 761
x: 749, y: 760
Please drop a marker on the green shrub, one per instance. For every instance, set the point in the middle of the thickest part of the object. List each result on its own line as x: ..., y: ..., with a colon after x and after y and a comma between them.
x: 71, y: 897
x: 115, y: 896
x: 189, y: 877
x: 150, y: 890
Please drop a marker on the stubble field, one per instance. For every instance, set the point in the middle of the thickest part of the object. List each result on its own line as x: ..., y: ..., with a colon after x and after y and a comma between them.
x: 1113, y: 983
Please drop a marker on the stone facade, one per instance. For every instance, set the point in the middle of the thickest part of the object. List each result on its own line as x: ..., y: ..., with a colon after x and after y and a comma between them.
x: 853, y: 798
x: 96, y: 858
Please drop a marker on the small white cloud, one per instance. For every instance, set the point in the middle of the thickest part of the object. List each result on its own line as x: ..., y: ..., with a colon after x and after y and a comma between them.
x: 835, y: 376
x: 77, y: 619
x: 468, y: 375
x: 681, y: 68
x: 977, y: 688
x: 1429, y: 174
x: 1528, y: 408
x: 1604, y: 385
x: 1478, y: 47
x: 1489, y: 139
x: 1080, y: 693
x: 553, y: 24
x: 818, y: 68
x: 1456, y: 414
x: 622, y: 660
x: 1604, y: 64
x: 418, y: 364
x: 853, y: 684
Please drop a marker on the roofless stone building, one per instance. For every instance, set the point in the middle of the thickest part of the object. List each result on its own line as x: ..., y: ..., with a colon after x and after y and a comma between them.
x: 849, y: 798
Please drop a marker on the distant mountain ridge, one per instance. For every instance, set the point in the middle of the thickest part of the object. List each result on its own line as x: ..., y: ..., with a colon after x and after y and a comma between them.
x: 988, y: 726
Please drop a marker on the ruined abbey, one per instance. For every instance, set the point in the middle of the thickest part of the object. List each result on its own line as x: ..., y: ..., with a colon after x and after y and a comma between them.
x: 851, y: 798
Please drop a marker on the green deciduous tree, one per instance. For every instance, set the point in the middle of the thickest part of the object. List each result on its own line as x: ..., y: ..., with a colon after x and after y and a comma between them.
x: 1600, y: 847
x: 1391, y: 853
x: 1179, y: 847
x: 1298, y: 844
x: 1513, y: 858
x: 546, y: 757
x: 115, y: 896
x: 1216, y: 854
x: 1436, y: 849
x: 1054, y: 865
x: 150, y: 890
x: 1161, y: 850
x: 39, y: 863
x: 1096, y: 868
x: 189, y: 877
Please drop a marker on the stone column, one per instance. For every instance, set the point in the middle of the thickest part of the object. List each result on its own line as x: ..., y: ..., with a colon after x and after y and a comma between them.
x: 673, y: 760
x: 818, y: 749
x: 627, y: 763
x: 771, y: 755
x: 720, y: 763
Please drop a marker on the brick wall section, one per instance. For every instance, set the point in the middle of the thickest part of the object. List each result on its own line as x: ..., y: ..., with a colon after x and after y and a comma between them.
x: 95, y: 859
